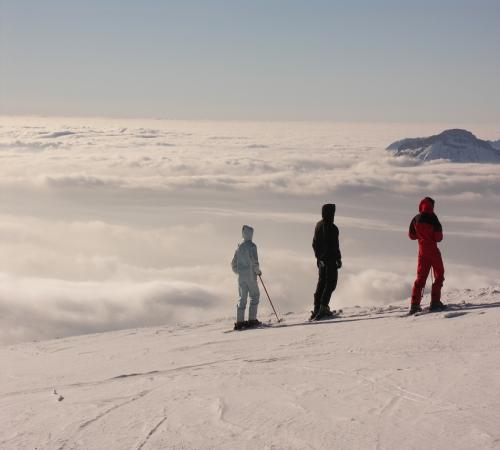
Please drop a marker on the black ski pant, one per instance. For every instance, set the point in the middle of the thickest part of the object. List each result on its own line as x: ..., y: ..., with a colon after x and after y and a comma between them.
x: 327, y: 282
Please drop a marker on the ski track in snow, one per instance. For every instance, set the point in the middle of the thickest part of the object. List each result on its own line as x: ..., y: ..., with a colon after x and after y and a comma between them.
x: 115, y: 378
x: 370, y: 379
x: 113, y: 408
x: 151, y: 432
x: 101, y: 415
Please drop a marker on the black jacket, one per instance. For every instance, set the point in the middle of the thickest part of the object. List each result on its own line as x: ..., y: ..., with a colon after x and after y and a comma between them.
x: 326, y: 242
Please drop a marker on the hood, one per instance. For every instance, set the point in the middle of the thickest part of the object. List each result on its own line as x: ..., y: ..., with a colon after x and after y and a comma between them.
x: 247, y: 232
x: 328, y: 212
x: 426, y: 205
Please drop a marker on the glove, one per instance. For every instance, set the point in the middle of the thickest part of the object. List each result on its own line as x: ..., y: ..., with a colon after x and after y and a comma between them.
x: 320, y: 264
x: 339, y: 263
x: 258, y: 273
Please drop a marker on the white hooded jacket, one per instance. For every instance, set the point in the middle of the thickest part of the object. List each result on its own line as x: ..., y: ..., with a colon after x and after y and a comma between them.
x: 246, y: 260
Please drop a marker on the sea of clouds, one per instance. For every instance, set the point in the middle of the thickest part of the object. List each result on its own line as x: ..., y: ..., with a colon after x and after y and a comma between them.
x: 109, y: 224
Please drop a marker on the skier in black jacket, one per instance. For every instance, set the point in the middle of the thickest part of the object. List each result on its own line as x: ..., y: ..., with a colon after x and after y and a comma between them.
x: 329, y: 260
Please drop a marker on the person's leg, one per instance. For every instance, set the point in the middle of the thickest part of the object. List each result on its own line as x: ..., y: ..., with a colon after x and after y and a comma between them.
x: 438, y: 267
x: 253, y: 289
x: 242, y: 302
x: 331, y: 277
x: 424, y: 265
x: 320, y: 287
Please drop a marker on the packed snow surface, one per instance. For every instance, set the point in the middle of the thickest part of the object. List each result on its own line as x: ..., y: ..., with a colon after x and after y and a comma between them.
x: 454, y: 145
x: 373, y: 378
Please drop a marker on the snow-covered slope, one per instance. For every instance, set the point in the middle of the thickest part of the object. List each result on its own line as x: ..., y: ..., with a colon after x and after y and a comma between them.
x: 454, y: 145
x: 372, y: 379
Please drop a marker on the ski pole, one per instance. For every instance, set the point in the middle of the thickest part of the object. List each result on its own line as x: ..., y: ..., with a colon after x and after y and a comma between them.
x: 267, y: 293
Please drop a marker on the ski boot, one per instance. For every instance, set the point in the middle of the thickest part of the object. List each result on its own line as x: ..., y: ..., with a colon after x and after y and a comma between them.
x: 323, y: 312
x: 238, y: 326
x: 314, y: 313
x: 414, y: 308
x: 436, y: 305
x: 253, y: 323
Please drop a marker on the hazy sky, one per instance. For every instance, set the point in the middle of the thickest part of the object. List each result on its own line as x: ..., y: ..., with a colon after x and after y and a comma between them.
x: 336, y: 60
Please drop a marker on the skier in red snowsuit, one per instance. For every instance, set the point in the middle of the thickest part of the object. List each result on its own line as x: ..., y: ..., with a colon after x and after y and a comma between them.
x: 426, y: 228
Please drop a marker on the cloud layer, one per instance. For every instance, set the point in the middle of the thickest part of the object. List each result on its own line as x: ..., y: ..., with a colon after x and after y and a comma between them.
x: 130, y: 223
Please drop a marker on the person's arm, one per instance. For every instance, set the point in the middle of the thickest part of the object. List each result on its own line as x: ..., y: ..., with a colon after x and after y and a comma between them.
x: 412, y: 232
x: 438, y: 230
x: 255, y: 260
x: 316, y: 244
x: 339, y: 255
x: 234, y: 263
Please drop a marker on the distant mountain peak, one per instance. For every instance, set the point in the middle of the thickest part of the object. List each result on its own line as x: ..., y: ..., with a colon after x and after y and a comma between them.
x: 456, y: 145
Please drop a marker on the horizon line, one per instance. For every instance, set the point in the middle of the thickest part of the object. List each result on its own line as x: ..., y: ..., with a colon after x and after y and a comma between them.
x: 247, y: 120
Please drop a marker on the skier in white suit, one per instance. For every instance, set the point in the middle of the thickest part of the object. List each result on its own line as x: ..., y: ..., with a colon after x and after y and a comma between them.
x: 245, y: 264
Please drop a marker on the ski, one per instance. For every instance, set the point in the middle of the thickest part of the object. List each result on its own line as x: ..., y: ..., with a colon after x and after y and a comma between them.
x: 332, y: 315
x: 330, y: 318
x: 336, y: 314
x: 425, y: 311
x: 261, y: 325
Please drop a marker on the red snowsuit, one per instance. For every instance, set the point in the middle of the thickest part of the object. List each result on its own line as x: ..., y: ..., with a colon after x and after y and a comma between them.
x: 426, y: 228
